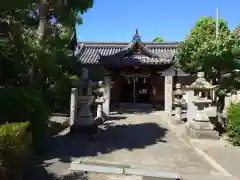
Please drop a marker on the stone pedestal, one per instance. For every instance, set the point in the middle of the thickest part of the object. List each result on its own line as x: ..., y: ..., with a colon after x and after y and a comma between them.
x: 84, y: 115
x: 84, y: 121
x: 200, y: 127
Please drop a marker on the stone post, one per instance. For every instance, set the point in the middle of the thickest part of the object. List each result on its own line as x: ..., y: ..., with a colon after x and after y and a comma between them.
x: 106, y: 95
x: 73, y: 105
x: 191, y: 108
x: 168, y: 95
x: 178, y: 94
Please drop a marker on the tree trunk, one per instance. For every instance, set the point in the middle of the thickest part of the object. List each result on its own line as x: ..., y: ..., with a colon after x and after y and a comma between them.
x: 43, y: 19
x: 42, y: 27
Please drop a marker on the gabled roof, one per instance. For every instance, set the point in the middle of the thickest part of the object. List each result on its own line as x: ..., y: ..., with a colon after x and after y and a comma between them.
x: 117, y: 53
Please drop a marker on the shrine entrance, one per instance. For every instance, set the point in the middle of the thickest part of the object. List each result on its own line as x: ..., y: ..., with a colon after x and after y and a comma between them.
x: 135, y: 88
x: 126, y: 95
x: 143, y: 91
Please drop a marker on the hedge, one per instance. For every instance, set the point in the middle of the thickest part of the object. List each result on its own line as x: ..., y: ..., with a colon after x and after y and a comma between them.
x: 19, y: 104
x: 234, y: 124
x: 15, y: 148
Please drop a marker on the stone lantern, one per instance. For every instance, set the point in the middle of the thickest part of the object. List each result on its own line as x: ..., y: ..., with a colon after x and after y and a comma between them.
x: 82, y: 119
x: 178, y: 102
x: 201, y: 126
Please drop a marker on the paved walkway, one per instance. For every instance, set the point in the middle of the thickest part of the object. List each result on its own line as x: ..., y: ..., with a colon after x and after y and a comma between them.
x: 222, y: 153
x: 138, y: 140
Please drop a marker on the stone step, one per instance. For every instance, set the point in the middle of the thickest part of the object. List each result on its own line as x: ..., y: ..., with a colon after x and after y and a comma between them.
x: 108, y: 176
x: 208, y: 177
x: 115, y: 170
x: 125, y: 171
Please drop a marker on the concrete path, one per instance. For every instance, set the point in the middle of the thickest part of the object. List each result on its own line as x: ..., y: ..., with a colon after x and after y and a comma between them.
x: 222, y: 152
x: 219, y: 153
x: 136, y: 140
x: 145, y: 140
x: 149, y: 141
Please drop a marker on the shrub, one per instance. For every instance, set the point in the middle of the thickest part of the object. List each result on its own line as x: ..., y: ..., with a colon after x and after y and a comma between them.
x: 20, y: 105
x: 15, y: 148
x: 234, y: 124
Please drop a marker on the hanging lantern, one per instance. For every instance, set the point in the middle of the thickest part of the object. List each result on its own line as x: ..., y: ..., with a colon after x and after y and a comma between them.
x: 136, y: 79
x: 144, y: 80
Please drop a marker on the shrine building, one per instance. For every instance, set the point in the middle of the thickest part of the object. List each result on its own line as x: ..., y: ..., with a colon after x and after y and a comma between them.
x: 140, y: 72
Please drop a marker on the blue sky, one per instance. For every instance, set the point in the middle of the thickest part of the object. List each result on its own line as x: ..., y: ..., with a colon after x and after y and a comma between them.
x: 116, y: 20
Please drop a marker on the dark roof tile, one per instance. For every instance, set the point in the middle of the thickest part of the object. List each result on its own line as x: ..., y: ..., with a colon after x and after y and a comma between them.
x: 89, y: 52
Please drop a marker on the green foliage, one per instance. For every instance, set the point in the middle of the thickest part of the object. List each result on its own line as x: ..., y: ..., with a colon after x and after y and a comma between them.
x: 46, y: 66
x: 205, y: 28
x: 218, y: 55
x: 65, y: 11
x: 15, y: 148
x: 37, y: 66
x: 234, y: 124
x: 22, y: 104
x: 158, y: 39
x: 202, y: 51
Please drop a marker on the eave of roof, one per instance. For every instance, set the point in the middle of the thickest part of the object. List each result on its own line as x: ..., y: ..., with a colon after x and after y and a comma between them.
x: 117, y: 52
x: 89, y: 52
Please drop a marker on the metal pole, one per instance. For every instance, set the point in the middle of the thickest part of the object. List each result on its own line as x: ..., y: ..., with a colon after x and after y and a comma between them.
x: 217, y: 24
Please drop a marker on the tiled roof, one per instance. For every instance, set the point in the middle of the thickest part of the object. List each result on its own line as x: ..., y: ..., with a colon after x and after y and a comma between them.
x: 120, y: 54
x: 90, y: 52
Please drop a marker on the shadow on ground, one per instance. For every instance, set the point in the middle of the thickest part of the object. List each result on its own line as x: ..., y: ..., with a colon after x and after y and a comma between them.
x: 130, y: 108
x: 39, y: 172
x: 115, y: 117
x: 111, y: 137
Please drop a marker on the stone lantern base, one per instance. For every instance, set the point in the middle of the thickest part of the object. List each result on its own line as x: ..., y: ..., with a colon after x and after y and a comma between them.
x: 84, y: 125
x: 201, y: 130
x: 83, y: 121
x: 84, y: 128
